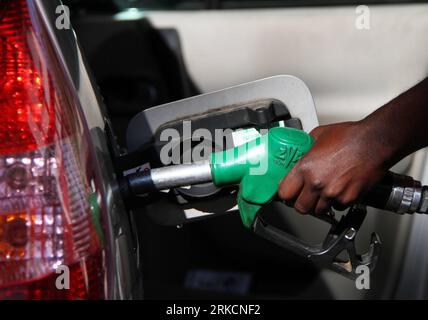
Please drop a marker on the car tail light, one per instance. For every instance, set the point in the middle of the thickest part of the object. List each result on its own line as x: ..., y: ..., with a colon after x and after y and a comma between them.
x: 49, y: 221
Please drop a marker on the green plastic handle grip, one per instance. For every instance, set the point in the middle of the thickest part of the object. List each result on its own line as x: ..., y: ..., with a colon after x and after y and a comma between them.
x: 259, y: 166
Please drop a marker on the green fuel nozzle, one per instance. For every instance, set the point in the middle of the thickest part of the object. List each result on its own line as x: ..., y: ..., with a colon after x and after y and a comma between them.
x: 259, y: 166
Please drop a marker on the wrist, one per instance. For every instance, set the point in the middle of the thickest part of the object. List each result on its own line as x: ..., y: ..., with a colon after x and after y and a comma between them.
x: 380, y: 137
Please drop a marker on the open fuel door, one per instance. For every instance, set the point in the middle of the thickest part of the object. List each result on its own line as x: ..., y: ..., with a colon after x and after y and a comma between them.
x: 238, y: 112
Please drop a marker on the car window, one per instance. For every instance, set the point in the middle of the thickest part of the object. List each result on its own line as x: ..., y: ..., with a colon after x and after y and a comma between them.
x: 238, y: 4
x: 161, y: 4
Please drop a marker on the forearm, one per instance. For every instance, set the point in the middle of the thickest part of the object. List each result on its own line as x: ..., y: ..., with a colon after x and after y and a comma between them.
x: 401, y: 126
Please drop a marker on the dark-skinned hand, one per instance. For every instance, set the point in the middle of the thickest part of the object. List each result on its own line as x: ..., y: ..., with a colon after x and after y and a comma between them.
x: 343, y: 163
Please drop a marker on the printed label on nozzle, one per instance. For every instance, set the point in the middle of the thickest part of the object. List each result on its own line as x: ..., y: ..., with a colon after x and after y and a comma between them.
x: 242, y: 136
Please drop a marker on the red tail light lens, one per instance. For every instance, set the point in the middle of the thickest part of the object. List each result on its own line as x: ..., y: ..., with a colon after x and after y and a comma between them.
x: 47, y: 218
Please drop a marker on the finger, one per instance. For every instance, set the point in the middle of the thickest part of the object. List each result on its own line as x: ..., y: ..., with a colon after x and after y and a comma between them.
x: 342, y: 203
x: 307, y: 200
x: 348, y: 197
x: 322, y: 206
x: 291, y: 186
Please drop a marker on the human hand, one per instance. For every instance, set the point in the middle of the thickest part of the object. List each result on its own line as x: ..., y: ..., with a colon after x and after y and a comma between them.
x: 345, y: 161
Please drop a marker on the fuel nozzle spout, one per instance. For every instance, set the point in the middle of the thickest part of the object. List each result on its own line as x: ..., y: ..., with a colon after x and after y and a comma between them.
x: 169, y: 177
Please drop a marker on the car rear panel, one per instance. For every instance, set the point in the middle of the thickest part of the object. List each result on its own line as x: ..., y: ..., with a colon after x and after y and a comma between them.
x: 64, y: 232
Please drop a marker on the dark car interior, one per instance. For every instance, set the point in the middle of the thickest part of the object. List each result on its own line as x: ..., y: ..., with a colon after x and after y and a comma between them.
x: 135, y: 66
